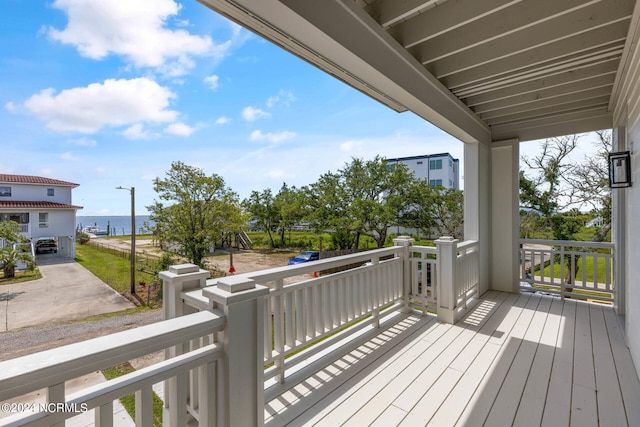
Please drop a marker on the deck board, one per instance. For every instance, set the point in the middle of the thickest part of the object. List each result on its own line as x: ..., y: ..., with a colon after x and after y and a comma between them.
x: 516, y: 359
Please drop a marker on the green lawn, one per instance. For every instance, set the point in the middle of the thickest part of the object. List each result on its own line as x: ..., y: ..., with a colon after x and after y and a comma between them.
x: 112, y: 269
x: 589, y: 269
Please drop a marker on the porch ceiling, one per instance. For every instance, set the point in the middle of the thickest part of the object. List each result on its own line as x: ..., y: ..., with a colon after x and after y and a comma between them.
x: 481, y: 70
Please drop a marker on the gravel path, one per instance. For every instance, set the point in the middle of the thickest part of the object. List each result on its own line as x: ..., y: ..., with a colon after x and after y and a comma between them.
x: 31, y: 340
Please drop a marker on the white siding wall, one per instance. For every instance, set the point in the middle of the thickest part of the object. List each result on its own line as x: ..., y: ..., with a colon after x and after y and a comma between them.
x: 30, y: 192
x: 627, y: 115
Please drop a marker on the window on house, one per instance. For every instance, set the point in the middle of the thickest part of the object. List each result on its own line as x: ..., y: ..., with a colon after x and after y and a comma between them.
x: 20, y: 218
x: 435, y: 182
x: 450, y: 183
x: 50, y: 192
x: 43, y: 219
x: 450, y: 163
x: 435, y: 164
x: 419, y: 163
x: 5, y: 191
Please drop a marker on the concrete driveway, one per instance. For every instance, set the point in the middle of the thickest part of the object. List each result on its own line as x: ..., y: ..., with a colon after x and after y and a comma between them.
x: 66, y: 291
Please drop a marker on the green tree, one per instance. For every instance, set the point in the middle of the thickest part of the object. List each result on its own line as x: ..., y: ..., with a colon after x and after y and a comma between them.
x: 289, y: 205
x: 546, y: 189
x: 260, y: 209
x: 363, y: 198
x: 194, y: 210
x: 435, y: 210
x: 10, y: 253
x: 329, y: 204
x: 590, y: 182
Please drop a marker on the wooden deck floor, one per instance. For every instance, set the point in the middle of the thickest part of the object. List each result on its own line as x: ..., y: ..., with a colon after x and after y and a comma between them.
x: 515, y: 360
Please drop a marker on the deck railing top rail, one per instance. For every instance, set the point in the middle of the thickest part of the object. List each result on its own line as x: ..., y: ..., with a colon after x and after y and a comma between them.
x: 272, y: 274
x: 55, y: 366
x: 576, y: 243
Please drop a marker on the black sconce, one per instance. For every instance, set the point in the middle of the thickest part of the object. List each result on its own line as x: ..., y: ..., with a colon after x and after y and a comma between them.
x: 620, y: 169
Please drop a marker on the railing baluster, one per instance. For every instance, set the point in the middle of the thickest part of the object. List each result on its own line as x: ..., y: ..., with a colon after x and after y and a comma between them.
x: 207, y: 395
x: 300, y: 314
x: 56, y: 394
x: 289, y: 318
x: 144, y: 407
x: 103, y: 415
x: 310, y: 309
x: 268, y: 327
x: 278, y: 326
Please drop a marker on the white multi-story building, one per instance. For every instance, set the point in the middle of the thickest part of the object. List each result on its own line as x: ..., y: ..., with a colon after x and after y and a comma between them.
x: 438, y: 169
x: 42, y: 207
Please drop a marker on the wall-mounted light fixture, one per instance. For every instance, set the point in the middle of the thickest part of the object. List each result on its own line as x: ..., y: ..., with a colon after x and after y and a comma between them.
x: 620, y: 169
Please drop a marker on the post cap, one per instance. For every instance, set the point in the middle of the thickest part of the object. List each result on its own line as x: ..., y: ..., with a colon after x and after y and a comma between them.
x: 184, y: 269
x: 233, y: 284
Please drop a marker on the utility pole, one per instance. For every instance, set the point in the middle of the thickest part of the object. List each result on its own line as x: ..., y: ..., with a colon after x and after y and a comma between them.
x: 132, y: 190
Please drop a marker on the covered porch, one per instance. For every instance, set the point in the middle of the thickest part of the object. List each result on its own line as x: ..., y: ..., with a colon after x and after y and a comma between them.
x: 414, y: 335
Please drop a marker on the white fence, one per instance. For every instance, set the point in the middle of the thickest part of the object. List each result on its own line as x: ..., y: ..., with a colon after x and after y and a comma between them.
x: 567, y: 268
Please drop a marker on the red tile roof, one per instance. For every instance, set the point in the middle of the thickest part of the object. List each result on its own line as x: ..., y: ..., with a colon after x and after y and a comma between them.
x: 27, y: 179
x: 18, y: 204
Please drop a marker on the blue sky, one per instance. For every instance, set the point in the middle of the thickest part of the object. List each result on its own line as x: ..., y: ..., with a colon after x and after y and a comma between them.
x: 109, y: 93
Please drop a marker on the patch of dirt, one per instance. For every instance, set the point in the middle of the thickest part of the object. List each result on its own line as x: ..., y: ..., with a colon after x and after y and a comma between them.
x: 244, y: 261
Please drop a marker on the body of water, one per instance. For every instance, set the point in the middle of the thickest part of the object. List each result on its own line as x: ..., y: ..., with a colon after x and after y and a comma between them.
x: 118, y: 225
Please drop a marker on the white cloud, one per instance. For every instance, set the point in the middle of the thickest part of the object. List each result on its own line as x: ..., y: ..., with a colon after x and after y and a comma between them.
x: 84, y: 142
x: 136, y: 30
x: 112, y: 103
x: 11, y: 107
x: 136, y: 131
x: 179, y: 129
x: 349, y: 146
x: 212, y: 81
x: 68, y: 156
x: 283, y: 97
x: 250, y: 114
x: 223, y: 120
x: 278, y: 174
x: 277, y: 137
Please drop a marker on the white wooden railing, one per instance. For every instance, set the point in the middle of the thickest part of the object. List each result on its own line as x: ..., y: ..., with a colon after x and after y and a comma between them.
x: 49, y: 370
x: 226, y: 338
x: 561, y: 267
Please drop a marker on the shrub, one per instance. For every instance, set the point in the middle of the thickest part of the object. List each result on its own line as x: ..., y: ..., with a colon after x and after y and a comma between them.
x: 82, y: 238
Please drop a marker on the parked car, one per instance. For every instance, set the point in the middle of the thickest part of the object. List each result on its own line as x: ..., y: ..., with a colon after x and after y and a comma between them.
x: 305, y: 257
x: 46, y: 244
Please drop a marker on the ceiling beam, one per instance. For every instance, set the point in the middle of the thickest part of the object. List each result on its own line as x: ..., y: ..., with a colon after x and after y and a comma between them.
x: 557, y: 125
x: 598, y: 103
x: 446, y: 17
x: 547, y: 102
x: 497, y: 92
x: 521, y: 27
x: 554, y: 38
x: 350, y: 26
x: 590, y: 47
x: 568, y: 89
x: 389, y: 12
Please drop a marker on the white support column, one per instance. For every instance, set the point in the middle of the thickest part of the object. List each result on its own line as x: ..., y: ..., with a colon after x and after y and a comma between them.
x: 446, y: 256
x: 407, y: 243
x: 505, y: 215
x: 242, y: 399
x: 477, y: 206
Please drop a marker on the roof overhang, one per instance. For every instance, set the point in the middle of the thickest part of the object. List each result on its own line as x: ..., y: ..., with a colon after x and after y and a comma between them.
x: 481, y: 70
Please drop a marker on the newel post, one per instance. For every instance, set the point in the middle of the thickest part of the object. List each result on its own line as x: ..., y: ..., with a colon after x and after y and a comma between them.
x: 179, y: 278
x: 242, y: 376
x: 406, y: 242
x: 446, y: 255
